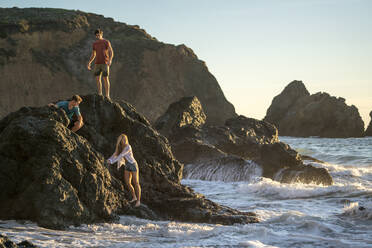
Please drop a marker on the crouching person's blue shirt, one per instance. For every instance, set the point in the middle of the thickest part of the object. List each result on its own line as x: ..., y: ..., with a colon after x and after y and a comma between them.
x: 70, y: 112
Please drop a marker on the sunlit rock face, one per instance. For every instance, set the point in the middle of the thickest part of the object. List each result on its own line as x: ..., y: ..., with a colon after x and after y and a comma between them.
x: 44, y: 52
x: 369, y: 128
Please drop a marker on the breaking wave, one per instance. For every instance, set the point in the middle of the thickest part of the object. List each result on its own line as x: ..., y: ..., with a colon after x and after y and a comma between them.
x: 363, y: 212
x: 226, y: 172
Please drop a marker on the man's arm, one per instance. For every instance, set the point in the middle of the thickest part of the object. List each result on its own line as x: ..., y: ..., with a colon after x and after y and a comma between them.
x: 78, y: 124
x: 92, y: 56
x: 111, y: 53
x: 80, y: 120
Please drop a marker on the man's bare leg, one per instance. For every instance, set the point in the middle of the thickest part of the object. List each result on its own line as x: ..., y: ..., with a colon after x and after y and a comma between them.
x: 107, y: 86
x: 99, y: 85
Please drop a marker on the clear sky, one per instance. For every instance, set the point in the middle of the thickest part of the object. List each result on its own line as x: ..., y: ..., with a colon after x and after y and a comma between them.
x: 256, y: 47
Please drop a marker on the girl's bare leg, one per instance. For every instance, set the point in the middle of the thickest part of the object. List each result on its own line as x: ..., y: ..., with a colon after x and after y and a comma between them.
x: 137, y: 187
x: 128, y: 182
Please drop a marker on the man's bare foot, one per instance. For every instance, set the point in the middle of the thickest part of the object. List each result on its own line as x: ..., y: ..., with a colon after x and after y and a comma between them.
x: 108, y: 97
x: 133, y: 200
x: 138, y: 203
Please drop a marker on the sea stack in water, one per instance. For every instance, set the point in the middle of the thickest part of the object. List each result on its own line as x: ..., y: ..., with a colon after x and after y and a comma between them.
x: 369, y: 128
x: 145, y: 72
x: 58, y: 178
x: 234, y: 151
x: 297, y: 113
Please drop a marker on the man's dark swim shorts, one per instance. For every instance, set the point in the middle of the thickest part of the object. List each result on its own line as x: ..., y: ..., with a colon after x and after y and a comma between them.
x: 101, y: 69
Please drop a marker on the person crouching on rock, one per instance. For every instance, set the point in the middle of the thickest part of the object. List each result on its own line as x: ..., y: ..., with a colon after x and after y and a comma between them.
x: 123, y: 155
x: 72, y: 110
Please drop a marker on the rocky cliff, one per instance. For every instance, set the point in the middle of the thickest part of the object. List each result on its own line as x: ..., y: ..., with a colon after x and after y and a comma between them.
x: 58, y: 178
x: 44, y: 52
x: 369, y: 128
x: 235, y: 151
x: 297, y: 113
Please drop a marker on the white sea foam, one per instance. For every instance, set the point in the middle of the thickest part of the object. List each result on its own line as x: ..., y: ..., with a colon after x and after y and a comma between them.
x: 130, y: 231
x: 265, y: 214
x: 288, y: 217
x: 133, y: 232
x: 182, y: 230
x: 345, y: 170
x: 255, y: 244
x: 276, y: 190
x: 360, y: 212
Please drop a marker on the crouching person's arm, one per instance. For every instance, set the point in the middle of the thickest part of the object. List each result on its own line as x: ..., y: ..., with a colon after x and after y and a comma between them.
x: 52, y: 105
x: 78, y: 124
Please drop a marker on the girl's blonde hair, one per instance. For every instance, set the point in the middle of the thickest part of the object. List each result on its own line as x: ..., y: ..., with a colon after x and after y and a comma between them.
x: 121, y: 143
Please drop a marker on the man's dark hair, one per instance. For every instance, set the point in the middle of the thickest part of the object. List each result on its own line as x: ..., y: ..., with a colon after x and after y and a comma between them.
x: 98, y: 31
x: 77, y: 98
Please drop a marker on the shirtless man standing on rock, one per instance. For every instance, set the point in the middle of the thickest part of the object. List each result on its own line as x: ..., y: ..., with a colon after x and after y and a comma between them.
x: 103, y: 53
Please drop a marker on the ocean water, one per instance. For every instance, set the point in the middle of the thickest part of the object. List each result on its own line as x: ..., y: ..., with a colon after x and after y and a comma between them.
x: 292, y: 215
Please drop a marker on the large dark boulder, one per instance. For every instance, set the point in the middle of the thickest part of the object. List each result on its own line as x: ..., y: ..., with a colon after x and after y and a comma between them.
x: 186, y: 113
x: 284, y: 164
x: 369, y: 128
x: 43, y: 49
x: 50, y: 175
x: 235, y: 151
x: 58, y: 178
x: 297, y: 113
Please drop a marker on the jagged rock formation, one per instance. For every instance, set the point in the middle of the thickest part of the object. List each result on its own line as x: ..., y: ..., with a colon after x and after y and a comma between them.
x: 297, y: 113
x: 5, y: 242
x: 50, y: 175
x: 233, y: 152
x: 179, y: 118
x: 58, y: 178
x: 369, y: 128
x: 44, y: 52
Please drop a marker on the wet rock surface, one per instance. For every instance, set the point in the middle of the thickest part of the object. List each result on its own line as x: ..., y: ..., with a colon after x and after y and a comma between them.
x: 297, y: 113
x: 58, y: 178
x: 234, y: 151
x: 5, y: 242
